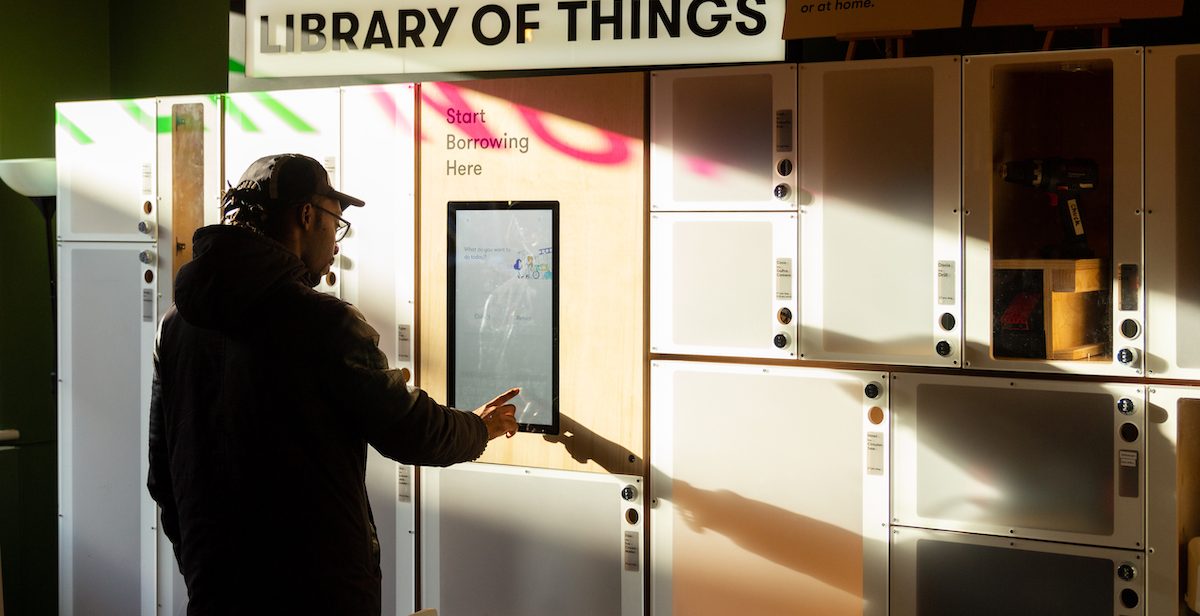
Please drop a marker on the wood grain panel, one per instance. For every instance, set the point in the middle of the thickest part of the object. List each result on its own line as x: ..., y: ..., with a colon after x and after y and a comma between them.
x: 578, y: 140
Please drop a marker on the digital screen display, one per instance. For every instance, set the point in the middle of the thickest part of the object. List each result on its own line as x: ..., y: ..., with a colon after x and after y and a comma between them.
x: 502, y: 284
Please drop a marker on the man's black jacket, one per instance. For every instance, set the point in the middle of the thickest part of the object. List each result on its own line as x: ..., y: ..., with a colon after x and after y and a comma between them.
x: 266, y: 394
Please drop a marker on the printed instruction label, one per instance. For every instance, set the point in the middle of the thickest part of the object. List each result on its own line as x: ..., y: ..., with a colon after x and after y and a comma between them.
x: 1129, y: 458
x: 874, y: 453
x: 945, y: 283
x: 632, y: 547
x: 147, y: 178
x: 403, y: 483
x: 147, y: 305
x: 783, y: 278
x: 403, y: 343
x: 783, y: 130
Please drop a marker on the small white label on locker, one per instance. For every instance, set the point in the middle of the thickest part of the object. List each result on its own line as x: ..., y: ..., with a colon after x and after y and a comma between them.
x: 147, y: 305
x: 147, y: 178
x: 783, y: 130
x: 331, y: 167
x: 783, y: 278
x: 403, y: 483
x: 632, y: 546
x: 1129, y: 458
x: 403, y: 343
x: 945, y: 286
x: 874, y: 453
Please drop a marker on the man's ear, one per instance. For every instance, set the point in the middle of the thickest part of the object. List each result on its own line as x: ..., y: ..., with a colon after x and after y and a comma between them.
x: 305, y: 216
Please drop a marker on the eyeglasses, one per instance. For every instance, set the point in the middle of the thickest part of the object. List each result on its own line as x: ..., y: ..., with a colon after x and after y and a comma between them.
x: 343, y: 225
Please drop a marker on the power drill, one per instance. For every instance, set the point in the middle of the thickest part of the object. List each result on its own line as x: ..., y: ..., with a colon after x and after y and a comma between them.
x: 1062, y: 180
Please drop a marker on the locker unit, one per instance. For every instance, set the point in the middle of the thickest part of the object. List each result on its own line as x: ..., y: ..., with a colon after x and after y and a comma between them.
x: 107, y: 306
x: 786, y: 511
x: 723, y: 139
x: 512, y: 540
x: 1172, y: 280
x: 378, y: 272
x: 723, y: 283
x: 1052, y: 198
x: 1049, y: 460
x: 106, y: 165
x: 306, y: 122
x: 1173, y: 507
x: 940, y: 573
x: 879, y: 171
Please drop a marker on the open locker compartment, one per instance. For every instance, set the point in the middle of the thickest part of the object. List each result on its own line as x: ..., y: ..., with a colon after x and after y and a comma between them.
x: 305, y: 122
x: 939, y: 573
x: 107, y: 306
x: 1049, y: 460
x: 535, y: 542
x: 1052, y: 198
x: 378, y: 271
x: 1172, y: 212
x: 786, y: 511
x: 1173, y: 508
x: 106, y: 170
x: 723, y: 283
x: 723, y: 138
x: 880, y: 219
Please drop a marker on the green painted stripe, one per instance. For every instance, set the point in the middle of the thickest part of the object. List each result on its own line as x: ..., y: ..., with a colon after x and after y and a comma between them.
x: 135, y: 112
x: 80, y: 137
x: 236, y: 67
x: 287, y: 115
x: 235, y: 113
x: 164, y: 124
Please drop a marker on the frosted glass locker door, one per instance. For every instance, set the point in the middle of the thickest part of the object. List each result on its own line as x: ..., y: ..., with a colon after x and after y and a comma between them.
x: 723, y: 284
x: 879, y: 202
x: 1052, y: 202
x: 378, y: 270
x: 1173, y: 212
x: 723, y: 138
x: 302, y: 121
x: 107, y: 520
x: 1173, y: 468
x: 938, y: 573
x: 1051, y: 460
x: 770, y: 492
x: 534, y: 542
x: 106, y: 185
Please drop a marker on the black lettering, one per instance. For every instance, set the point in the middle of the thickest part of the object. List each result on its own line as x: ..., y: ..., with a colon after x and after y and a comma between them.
x: 573, y: 8
x: 758, y: 20
x: 290, y: 38
x: 719, y: 20
x: 405, y: 32
x: 524, y: 26
x: 635, y: 19
x: 377, y: 32
x: 346, y: 35
x: 669, y: 21
x: 312, y: 32
x: 264, y: 37
x: 477, y: 24
x: 599, y: 19
x: 442, y: 25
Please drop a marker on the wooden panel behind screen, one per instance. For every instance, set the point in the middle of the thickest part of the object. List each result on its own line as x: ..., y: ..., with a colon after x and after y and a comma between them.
x: 187, y: 178
x: 577, y: 140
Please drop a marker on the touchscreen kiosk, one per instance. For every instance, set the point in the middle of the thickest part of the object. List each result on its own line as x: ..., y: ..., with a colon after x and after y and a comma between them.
x: 502, y: 288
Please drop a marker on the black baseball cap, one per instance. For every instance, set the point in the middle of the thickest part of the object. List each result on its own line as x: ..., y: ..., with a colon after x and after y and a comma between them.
x: 288, y: 179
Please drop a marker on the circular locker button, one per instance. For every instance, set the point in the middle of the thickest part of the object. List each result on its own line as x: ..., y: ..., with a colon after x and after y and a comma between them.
x: 629, y: 493
x: 631, y: 516
x: 875, y: 415
x: 1125, y: 406
x: 146, y: 257
x: 146, y: 227
x: 943, y: 348
x: 785, y: 167
x: 785, y: 315
x: 1129, y: 598
x: 947, y: 321
x: 147, y: 207
x: 1126, y: 572
x: 872, y: 390
x: 148, y: 276
x: 1129, y: 432
x: 1130, y: 328
x: 780, y: 341
x: 331, y: 279
x: 782, y: 191
x: 1127, y: 356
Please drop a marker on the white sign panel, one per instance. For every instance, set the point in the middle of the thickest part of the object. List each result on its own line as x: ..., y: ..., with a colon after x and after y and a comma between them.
x: 293, y: 38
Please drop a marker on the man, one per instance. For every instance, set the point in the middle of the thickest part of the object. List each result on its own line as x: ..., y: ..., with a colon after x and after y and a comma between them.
x: 265, y: 396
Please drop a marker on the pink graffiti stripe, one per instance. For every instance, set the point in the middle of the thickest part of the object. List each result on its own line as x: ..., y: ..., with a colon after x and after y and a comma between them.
x: 702, y: 166
x: 615, y: 152
x: 383, y: 96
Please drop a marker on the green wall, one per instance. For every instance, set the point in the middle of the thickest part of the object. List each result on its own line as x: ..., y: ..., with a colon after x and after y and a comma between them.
x: 58, y: 50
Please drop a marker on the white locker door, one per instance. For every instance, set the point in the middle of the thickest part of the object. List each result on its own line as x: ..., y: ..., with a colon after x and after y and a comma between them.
x: 378, y: 271
x: 723, y: 138
x: 723, y: 283
x: 105, y: 156
x: 1050, y: 275
x: 507, y: 540
x: 305, y: 122
x: 1173, y: 508
x: 1050, y: 460
x: 879, y: 202
x: 769, y: 490
x: 107, y: 520
x: 1172, y: 213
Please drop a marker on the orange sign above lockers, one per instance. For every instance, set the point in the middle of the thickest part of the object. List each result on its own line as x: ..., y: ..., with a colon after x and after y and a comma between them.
x: 1070, y: 12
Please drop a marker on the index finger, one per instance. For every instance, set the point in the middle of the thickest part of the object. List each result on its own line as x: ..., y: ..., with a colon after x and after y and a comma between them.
x: 505, y: 397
